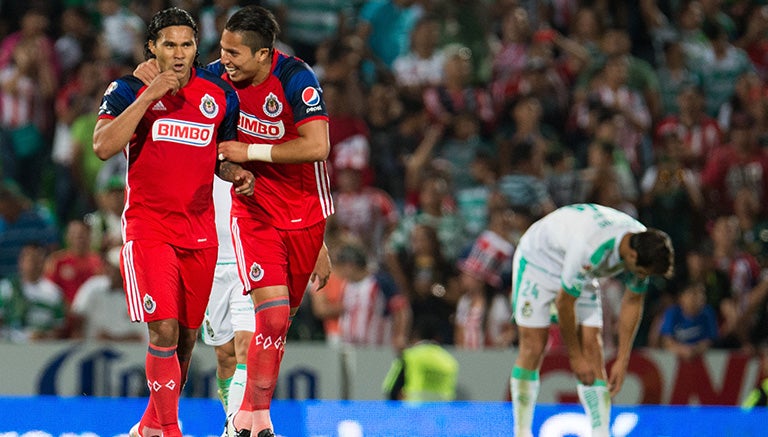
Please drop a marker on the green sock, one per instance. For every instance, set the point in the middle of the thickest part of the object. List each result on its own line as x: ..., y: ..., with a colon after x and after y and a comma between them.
x: 223, y: 391
x: 596, y: 400
x: 524, y: 385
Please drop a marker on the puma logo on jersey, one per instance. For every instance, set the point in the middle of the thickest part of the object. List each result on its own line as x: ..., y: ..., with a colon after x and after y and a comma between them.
x: 268, y: 130
x: 183, y: 132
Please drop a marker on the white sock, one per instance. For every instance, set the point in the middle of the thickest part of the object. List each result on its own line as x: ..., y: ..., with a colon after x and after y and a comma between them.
x: 596, y: 401
x: 237, y: 389
x: 524, y: 386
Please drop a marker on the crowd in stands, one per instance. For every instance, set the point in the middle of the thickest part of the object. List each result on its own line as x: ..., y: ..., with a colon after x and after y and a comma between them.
x: 454, y: 124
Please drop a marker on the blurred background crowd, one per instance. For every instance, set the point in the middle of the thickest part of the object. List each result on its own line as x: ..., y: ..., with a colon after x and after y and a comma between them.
x: 454, y: 124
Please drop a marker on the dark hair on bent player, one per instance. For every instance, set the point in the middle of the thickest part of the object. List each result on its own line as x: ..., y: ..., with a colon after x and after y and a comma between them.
x: 257, y: 25
x: 167, y: 18
x: 654, y: 251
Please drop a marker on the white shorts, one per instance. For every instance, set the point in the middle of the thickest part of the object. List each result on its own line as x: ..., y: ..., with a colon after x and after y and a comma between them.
x: 534, y: 290
x: 228, y: 309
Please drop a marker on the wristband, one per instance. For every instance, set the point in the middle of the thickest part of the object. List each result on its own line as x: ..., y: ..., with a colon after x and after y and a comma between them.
x: 260, y: 152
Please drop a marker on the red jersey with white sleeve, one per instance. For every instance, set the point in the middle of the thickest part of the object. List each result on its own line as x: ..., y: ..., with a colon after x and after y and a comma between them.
x: 286, y: 196
x: 172, y: 158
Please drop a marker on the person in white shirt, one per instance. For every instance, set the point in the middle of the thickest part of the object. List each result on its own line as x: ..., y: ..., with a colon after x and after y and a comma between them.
x: 98, y: 309
x: 559, y: 260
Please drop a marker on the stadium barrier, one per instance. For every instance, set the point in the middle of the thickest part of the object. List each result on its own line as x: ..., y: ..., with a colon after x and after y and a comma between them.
x: 318, y: 371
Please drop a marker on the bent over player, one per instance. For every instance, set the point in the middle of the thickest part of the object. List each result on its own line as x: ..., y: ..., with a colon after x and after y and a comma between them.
x: 559, y: 259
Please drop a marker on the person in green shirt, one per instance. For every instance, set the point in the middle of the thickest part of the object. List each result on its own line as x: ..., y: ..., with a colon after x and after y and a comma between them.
x: 425, y: 371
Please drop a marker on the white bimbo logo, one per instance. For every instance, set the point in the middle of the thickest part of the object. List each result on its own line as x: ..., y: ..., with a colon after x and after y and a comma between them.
x: 183, y: 132
x: 256, y: 127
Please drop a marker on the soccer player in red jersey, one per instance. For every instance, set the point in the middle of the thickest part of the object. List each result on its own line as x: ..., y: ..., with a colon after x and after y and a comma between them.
x: 169, y: 131
x: 277, y: 232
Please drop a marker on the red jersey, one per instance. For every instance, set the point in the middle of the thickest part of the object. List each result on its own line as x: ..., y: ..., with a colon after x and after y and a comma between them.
x: 70, y: 271
x: 286, y: 196
x: 172, y: 158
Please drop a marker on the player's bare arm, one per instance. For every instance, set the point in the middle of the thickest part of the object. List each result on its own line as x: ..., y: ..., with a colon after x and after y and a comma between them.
x: 311, y: 145
x: 629, y: 320
x: 322, y: 270
x: 242, y: 179
x: 566, y: 313
x: 111, y: 136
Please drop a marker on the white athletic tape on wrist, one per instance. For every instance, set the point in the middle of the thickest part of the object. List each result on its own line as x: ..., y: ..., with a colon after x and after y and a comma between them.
x: 260, y: 152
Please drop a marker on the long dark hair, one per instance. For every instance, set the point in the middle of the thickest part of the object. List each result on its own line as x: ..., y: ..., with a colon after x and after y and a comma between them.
x: 167, y: 18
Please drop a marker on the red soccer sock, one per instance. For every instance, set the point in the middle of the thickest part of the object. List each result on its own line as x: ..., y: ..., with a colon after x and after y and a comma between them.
x: 264, y: 353
x: 149, y: 419
x: 163, y: 377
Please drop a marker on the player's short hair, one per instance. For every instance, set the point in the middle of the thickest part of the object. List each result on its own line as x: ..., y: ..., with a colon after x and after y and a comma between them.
x: 257, y: 25
x: 654, y: 251
x: 166, y: 18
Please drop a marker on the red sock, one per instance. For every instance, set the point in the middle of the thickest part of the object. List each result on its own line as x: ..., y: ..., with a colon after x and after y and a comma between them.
x: 149, y: 419
x: 163, y: 376
x: 264, y: 353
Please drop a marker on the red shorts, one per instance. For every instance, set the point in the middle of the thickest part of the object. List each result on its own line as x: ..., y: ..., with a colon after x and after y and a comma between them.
x: 267, y: 256
x: 167, y: 282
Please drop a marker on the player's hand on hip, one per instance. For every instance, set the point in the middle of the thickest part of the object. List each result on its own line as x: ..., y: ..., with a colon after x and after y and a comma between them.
x: 161, y: 85
x: 147, y: 71
x: 233, y: 151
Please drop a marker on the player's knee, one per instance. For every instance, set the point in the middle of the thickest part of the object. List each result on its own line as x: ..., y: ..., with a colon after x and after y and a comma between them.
x: 274, y: 319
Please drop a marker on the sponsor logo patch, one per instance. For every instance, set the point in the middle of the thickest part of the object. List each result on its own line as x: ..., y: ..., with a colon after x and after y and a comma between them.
x: 310, y: 96
x: 208, y: 106
x: 264, y: 129
x: 272, y: 105
x: 183, y: 132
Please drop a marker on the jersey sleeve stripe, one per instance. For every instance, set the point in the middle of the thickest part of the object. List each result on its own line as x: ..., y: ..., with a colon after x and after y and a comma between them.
x: 323, y: 188
x: 307, y: 120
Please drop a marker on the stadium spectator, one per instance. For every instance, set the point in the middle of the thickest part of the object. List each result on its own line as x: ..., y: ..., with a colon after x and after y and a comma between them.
x: 689, y: 328
x: 424, y: 371
x: 21, y: 223
x: 373, y: 311
x: 422, y: 65
x: 699, y: 132
x: 27, y: 89
x: 31, y: 306
x: 739, y: 165
x: 97, y: 311
x: 719, y: 67
x: 72, y: 265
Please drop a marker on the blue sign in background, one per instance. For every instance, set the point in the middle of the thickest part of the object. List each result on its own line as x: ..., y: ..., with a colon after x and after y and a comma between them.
x: 86, y: 416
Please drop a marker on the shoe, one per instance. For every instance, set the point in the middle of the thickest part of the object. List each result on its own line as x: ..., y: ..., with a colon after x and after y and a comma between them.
x: 134, y: 432
x: 230, y: 428
x: 265, y: 433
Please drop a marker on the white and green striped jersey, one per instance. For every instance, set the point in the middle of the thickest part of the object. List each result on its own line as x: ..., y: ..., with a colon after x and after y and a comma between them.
x: 579, y: 243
